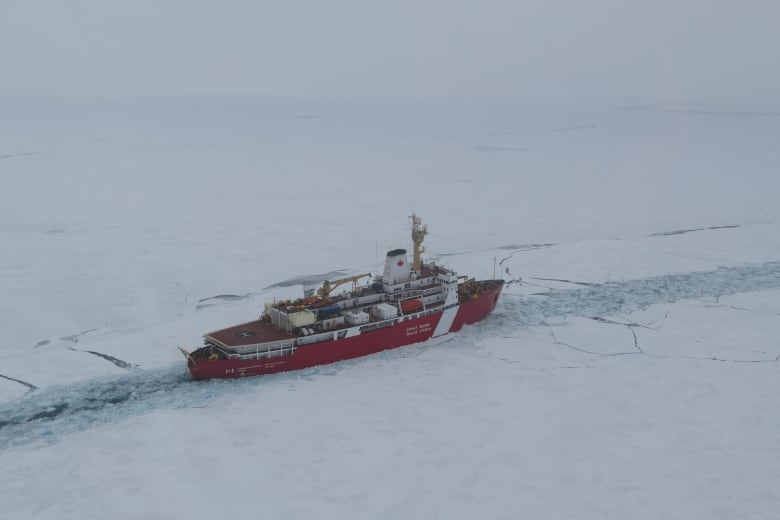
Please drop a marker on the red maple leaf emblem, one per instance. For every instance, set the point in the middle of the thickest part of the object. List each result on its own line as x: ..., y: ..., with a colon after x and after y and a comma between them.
x: 400, y: 263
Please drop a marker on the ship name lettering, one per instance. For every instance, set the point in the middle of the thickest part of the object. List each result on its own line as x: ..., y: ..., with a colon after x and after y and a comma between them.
x: 418, y: 329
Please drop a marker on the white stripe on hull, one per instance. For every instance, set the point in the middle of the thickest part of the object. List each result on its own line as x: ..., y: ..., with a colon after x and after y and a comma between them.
x: 445, y: 323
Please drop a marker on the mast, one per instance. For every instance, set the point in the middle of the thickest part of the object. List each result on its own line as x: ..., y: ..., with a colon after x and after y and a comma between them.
x: 418, y: 235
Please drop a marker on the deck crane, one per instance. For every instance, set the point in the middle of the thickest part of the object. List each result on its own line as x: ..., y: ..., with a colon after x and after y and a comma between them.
x: 329, y: 285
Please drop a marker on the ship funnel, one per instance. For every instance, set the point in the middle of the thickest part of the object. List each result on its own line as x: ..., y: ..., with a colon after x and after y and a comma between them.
x: 397, y: 268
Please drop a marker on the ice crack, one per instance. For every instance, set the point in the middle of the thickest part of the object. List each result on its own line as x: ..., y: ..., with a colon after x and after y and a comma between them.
x: 25, y: 383
x: 118, y: 362
x: 692, y: 230
x: 586, y: 284
x: 631, y: 327
x: 578, y: 349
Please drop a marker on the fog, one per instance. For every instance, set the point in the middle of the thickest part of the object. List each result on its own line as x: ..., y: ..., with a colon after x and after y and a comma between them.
x: 537, y: 50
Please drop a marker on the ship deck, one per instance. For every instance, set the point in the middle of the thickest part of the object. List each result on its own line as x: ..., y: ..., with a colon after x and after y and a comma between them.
x: 249, y: 333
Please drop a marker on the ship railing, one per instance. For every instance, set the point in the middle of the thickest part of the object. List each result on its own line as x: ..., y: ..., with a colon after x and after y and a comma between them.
x: 316, y: 338
x: 416, y: 293
x: 378, y: 325
x: 429, y: 309
x: 287, y: 351
x: 433, y: 300
x: 265, y: 350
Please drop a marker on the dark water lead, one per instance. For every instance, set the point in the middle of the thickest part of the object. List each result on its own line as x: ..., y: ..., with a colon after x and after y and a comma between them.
x: 45, y: 415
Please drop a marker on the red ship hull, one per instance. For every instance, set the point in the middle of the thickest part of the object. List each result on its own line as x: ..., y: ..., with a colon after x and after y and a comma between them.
x: 403, y: 333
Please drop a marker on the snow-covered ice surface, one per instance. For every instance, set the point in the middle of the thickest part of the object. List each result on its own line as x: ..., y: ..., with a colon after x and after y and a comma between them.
x: 629, y: 371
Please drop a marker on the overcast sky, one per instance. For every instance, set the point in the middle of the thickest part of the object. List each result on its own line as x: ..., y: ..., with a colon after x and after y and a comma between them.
x: 662, y: 50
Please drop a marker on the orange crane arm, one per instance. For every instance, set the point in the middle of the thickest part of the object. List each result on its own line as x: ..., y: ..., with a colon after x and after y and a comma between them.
x: 329, y: 285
